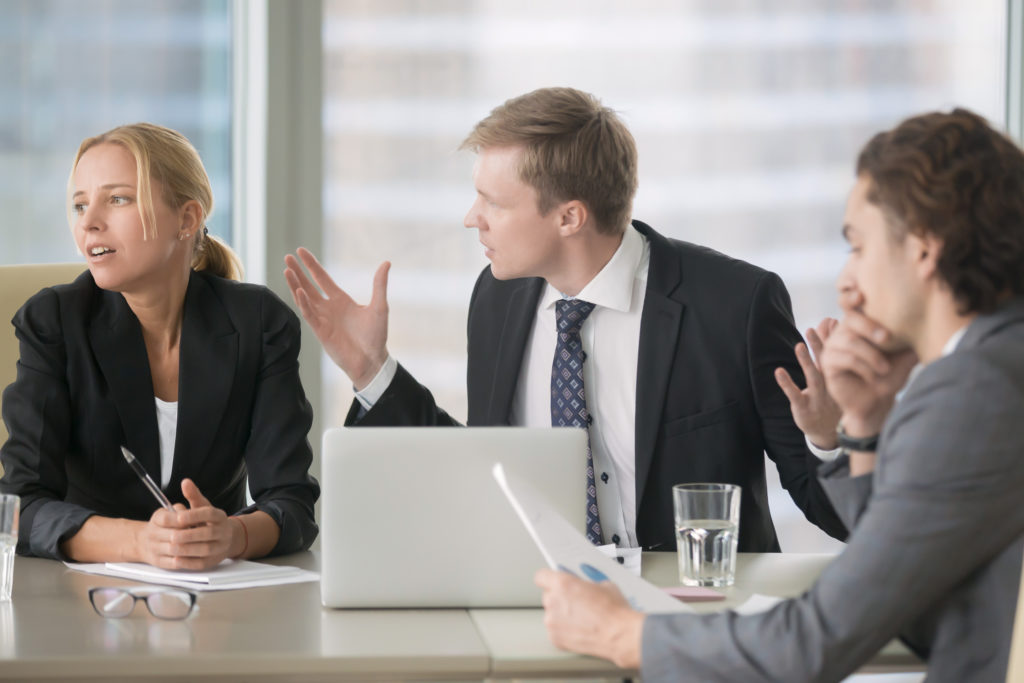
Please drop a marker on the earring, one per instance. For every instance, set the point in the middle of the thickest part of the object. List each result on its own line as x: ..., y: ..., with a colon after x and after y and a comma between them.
x: 184, y: 236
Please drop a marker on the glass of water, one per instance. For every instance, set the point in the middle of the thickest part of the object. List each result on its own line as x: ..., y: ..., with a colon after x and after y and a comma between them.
x: 9, y: 508
x: 707, y: 524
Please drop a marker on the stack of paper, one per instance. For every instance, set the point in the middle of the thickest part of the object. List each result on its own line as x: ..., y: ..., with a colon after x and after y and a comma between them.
x: 565, y: 548
x: 228, y: 575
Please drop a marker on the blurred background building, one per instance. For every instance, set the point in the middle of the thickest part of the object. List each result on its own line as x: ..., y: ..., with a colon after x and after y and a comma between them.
x: 748, y: 115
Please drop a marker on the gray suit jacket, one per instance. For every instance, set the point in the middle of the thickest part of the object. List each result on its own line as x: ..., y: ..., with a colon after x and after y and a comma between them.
x: 936, y: 545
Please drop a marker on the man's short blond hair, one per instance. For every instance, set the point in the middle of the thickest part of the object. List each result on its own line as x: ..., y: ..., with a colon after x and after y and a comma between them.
x: 574, y: 148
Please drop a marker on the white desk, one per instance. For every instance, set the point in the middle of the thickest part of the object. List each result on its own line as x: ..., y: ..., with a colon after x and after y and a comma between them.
x: 50, y: 632
x: 519, y: 646
x: 280, y: 633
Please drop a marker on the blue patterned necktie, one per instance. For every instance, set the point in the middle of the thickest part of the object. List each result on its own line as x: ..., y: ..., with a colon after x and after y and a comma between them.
x: 568, y: 401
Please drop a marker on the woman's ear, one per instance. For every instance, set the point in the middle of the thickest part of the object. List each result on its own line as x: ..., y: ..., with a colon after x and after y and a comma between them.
x: 190, y: 217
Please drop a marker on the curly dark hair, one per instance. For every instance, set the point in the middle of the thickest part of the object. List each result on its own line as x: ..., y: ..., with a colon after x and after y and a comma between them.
x: 955, y: 177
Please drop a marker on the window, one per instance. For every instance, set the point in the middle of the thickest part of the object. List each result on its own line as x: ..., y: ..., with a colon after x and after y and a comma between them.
x: 748, y: 117
x: 76, y: 68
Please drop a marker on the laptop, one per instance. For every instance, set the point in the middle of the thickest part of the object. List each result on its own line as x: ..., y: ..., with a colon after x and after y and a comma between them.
x: 412, y: 516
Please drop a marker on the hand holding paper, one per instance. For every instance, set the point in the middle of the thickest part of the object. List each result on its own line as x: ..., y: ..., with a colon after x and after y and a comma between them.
x: 589, y: 615
x: 564, y: 547
x: 590, y: 618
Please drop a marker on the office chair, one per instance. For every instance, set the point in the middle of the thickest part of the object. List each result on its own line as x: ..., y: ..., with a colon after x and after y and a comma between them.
x: 1015, y: 670
x: 17, y: 284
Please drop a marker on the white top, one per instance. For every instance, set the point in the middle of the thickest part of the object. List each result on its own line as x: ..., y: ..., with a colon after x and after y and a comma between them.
x: 167, y: 426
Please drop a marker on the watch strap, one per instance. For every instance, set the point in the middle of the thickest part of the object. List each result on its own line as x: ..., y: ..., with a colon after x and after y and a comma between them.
x: 868, y: 444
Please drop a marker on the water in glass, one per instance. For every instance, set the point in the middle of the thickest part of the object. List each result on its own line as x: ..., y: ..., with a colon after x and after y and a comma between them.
x: 7, y: 544
x: 706, y: 549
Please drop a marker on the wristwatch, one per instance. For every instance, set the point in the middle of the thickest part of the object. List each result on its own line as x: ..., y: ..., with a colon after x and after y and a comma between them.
x: 847, y: 443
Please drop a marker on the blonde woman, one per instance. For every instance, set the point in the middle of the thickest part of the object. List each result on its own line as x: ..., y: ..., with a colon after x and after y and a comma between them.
x: 158, y: 348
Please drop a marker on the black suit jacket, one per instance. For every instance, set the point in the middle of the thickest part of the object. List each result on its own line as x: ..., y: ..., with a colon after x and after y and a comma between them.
x: 712, y: 332
x: 84, y: 388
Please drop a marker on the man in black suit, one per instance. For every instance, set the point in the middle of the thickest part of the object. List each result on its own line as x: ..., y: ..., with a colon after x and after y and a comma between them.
x: 675, y: 352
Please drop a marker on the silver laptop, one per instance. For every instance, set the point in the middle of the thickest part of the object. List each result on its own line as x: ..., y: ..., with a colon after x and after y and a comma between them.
x: 412, y: 517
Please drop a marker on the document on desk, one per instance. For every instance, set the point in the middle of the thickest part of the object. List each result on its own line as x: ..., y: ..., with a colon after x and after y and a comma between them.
x: 565, y: 548
x: 228, y: 575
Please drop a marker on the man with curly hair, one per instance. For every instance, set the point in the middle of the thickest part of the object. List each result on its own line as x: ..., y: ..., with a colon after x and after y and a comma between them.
x: 929, y: 485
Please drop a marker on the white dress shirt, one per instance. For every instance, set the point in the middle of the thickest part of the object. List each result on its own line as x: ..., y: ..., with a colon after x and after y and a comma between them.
x: 611, y: 340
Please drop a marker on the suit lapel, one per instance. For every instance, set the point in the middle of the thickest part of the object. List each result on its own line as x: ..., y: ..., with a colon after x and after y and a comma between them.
x: 659, y: 336
x: 116, y: 338
x: 515, y: 330
x: 208, y: 357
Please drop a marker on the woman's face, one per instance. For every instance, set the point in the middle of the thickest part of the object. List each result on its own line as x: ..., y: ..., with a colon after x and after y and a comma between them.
x: 108, y: 224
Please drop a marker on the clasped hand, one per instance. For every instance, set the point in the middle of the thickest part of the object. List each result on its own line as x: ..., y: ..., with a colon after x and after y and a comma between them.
x: 864, y: 367
x: 196, y: 537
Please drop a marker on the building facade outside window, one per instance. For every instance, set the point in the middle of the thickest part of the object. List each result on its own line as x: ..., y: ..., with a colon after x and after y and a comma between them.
x: 748, y: 116
x: 75, y: 68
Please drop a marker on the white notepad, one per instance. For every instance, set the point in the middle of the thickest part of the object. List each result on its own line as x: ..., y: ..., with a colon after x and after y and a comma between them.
x: 228, y: 571
x: 229, y: 575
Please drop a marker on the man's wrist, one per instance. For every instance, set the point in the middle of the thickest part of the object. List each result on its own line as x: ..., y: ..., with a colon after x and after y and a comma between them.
x: 858, y: 427
x: 849, y: 443
x: 371, y: 393
x: 372, y: 370
x: 626, y: 639
x: 823, y: 442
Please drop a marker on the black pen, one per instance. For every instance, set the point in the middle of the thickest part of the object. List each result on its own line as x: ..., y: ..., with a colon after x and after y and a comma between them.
x: 153, y: 488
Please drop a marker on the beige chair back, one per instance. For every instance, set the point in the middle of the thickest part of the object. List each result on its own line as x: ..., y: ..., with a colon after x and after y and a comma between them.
x: 17, y: 284
x: 1015, y: 671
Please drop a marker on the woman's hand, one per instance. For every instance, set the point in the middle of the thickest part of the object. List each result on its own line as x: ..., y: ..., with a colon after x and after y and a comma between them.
x: 197, y: 537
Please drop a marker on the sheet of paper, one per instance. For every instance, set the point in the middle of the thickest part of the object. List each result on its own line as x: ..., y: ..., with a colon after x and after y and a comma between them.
x: 565, y: 548
x: 758, y: 603
x: 228, y: 571
x: 170, y: 578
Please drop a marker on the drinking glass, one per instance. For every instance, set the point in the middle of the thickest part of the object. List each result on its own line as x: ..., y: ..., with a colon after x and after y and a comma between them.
x: 707, y: 522
x: 9, y: 508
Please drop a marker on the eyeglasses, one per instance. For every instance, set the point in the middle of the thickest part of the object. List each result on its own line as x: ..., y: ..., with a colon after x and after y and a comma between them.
x: 116, y: 603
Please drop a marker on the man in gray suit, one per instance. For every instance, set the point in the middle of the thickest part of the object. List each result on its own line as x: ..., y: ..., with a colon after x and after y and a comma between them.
x: 935, y: 274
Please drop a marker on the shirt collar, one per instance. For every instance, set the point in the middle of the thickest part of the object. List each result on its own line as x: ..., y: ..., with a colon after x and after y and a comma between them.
x: 612, y: 287
x: 954, y: 341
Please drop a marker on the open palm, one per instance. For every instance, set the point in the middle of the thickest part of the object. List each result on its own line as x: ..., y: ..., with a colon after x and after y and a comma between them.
x: 814, y: 411
x: 354, y: 336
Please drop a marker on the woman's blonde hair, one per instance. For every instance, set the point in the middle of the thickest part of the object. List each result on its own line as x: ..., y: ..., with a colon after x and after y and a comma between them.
x: 166, y: 156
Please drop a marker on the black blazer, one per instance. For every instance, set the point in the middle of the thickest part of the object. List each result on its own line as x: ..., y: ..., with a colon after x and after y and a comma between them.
x: 712, y: 332
x: 84, y: 388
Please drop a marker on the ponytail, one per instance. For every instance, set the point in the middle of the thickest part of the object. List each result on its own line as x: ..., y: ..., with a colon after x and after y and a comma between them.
x: 214, y: 256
